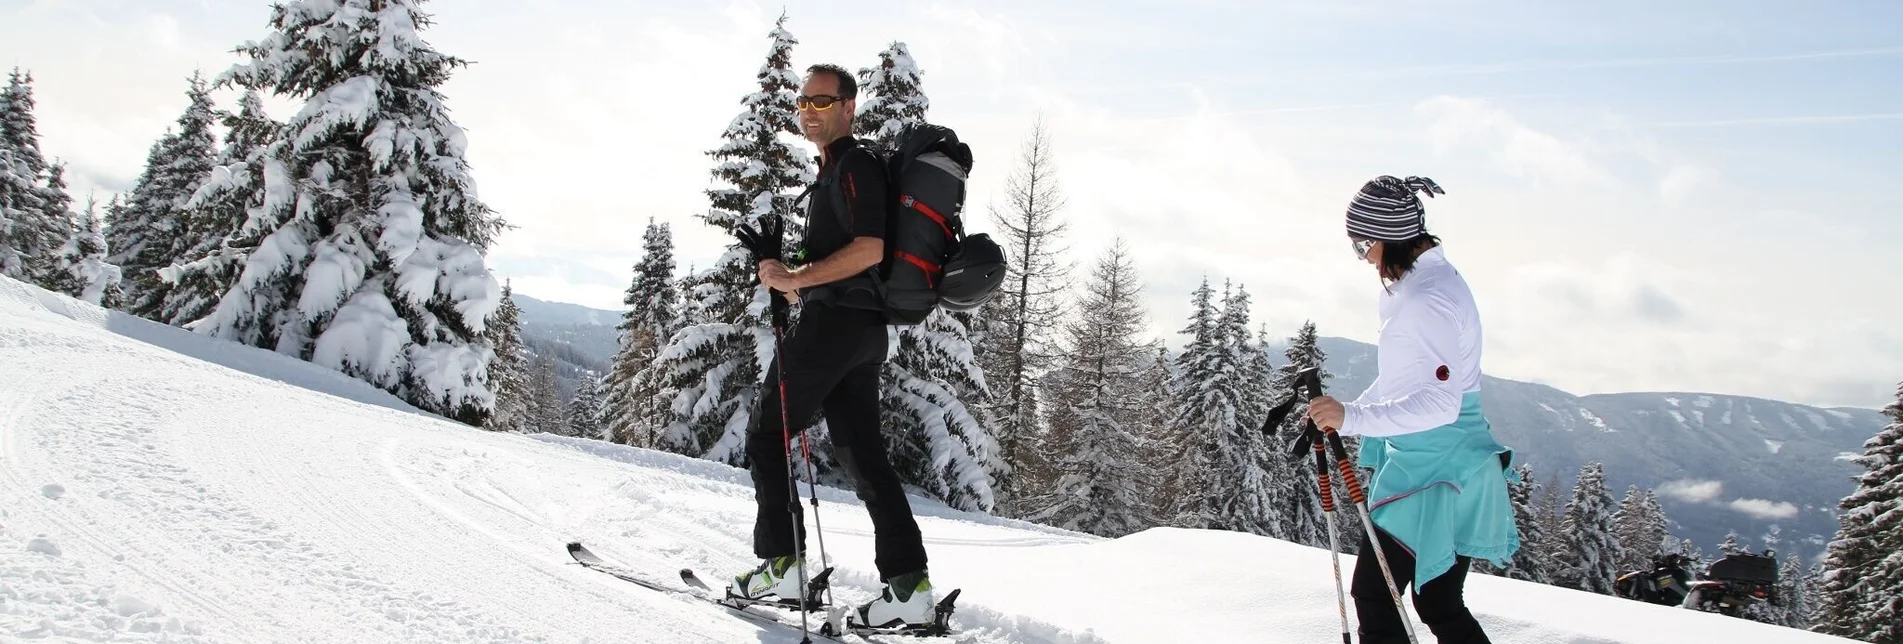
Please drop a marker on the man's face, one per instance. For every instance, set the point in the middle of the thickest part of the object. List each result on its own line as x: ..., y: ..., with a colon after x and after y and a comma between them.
x: 824, y: 124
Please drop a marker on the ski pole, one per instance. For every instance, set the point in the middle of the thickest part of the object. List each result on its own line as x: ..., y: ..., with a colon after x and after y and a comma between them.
x: 1310, y: 379
x: 786, y: 442
x: 1334, y: 545
x: 812, y: 486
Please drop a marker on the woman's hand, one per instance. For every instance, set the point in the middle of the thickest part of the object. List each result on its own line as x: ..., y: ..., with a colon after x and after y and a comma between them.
x: 1326, y: 412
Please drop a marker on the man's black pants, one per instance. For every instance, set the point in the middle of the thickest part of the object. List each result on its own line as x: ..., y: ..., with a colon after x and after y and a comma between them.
x: 832, y: 361
x: 1439, y: 602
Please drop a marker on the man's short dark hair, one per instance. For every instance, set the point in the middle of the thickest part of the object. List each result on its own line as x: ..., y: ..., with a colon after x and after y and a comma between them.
x: 848, y: 86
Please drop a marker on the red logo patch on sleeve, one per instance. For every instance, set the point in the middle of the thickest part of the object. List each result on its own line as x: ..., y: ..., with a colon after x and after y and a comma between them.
x: 1442, y: 373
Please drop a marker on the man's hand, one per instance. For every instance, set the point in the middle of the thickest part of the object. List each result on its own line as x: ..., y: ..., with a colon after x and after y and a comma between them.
x: 1326, y: 412
x: 774, y: 275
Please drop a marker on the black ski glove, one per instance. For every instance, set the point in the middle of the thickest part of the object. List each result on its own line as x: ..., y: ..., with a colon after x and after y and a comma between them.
x: 764, y: 242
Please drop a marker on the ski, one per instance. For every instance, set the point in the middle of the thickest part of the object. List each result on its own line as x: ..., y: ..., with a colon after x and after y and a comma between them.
x: 829, y: 629
x: 698, y: 591
x: 941, y: 614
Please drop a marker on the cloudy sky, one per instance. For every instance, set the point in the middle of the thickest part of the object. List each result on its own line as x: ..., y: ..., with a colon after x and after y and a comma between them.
x: 1687, y: 196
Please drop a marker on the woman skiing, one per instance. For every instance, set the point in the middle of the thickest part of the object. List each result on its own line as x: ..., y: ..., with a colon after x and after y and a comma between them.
x: 1438, y: 494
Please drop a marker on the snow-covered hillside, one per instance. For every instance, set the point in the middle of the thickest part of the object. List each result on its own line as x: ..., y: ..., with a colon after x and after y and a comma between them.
x: 160, y: 487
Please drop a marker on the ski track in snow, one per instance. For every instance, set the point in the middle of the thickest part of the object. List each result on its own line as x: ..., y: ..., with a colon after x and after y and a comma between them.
x: 150, y: 496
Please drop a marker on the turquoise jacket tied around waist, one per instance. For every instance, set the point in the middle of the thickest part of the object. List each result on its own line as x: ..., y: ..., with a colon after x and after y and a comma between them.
x: 1443, y: 492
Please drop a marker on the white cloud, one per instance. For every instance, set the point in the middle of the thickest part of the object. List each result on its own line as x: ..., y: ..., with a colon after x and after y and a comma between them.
x: 1460, y: 124
x: 1691, y: 491
x: 1764, y: 509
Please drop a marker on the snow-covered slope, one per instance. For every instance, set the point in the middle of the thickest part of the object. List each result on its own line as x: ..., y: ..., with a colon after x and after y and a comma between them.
x: 159, y: 487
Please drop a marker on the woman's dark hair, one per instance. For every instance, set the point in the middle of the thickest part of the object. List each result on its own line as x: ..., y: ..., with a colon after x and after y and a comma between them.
x: 1397, y: 258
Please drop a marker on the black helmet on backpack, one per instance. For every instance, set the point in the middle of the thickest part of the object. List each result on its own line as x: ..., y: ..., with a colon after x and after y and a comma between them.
x: 973, y: 274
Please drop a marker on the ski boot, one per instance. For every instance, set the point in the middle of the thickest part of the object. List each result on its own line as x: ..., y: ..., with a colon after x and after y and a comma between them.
x: 904, y: 605
x: 776, y: 582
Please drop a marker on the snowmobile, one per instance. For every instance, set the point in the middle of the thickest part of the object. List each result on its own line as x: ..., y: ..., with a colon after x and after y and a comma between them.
x: 1666, y: 584
x: 1735, y: 584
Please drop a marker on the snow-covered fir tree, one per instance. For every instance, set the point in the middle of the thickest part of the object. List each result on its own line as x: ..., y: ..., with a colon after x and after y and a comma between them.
x: 1095, y: 418
x: 716, y: 362
x: 1590, y: 560
x: 1528, y: 563
x: 1229, y: 490
x: 1639, y: 525
x: 1157, y: 456
x: 371, y: 255
x: 1794, y: 602
x: 584, y: 412
x: 1179, y: 500
x: 1731, y: 545
x: 1019, y: 322
x: 154, y: 232
x: 892, y: 96
x: 217, y: 235
x: 1297, y: 495
x: 1861, y: 589
x: 85, y: 273
x: 634, y: 408
x: 34, y: 207
x: 546, y: 413
x: 932, y: 391
x: 509, y: 371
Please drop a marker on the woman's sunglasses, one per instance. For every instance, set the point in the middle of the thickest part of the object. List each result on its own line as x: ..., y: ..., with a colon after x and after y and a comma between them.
x: 819, y: 103
x: 1362, y: 246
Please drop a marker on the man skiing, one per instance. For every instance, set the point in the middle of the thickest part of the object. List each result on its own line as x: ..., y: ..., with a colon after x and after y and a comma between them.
x: 1438, y: 496
x: 832, y: 360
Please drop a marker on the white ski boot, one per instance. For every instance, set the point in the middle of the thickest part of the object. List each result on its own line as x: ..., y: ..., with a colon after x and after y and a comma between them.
x: 906, y: 603
x: 776, y: 580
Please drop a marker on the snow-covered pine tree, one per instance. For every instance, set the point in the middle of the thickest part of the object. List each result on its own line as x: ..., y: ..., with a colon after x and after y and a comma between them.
x: 1028, y: 309
x: 34, y: 219
x: 217, y: 233
x: 1233, y: 492
x: 1793, y: 602
x: 1590, y: 562
x: 584, y: 412
x: 1093, y: 437
x: 1157, y: 455
x: 892, y: 97
x: 1731, y: 545
x: 154, y: 233
x: 633, y: 408
x: 1862, y: 584
x: 1297, y: 494
x: 932, y: 390
x: 371, y: 262
x: 509, y: 371
x: 1631, y: 524
x: 1181, y: 500
x: 716, y: 363
x: 1550, y: 511
x: 85, y: 273
x: 547, y: 414
x: 1657, y: 525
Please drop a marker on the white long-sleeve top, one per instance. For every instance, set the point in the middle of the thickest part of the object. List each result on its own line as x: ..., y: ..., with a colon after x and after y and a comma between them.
x: 1428, y: 356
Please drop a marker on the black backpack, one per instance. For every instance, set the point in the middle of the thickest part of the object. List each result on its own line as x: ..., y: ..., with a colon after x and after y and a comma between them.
x: 929, y: 260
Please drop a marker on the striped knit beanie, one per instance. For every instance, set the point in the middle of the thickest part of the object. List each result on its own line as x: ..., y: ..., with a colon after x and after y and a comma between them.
x: 1387, y: 210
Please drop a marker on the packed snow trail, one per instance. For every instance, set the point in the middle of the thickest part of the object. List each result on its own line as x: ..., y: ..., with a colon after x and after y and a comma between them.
x: 162, y: 487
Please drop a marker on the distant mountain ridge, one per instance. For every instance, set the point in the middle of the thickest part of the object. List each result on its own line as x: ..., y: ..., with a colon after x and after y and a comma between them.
x: 1720, y: 462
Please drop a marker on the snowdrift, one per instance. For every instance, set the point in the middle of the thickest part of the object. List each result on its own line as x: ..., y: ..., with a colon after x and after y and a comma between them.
x: 157, y: 486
